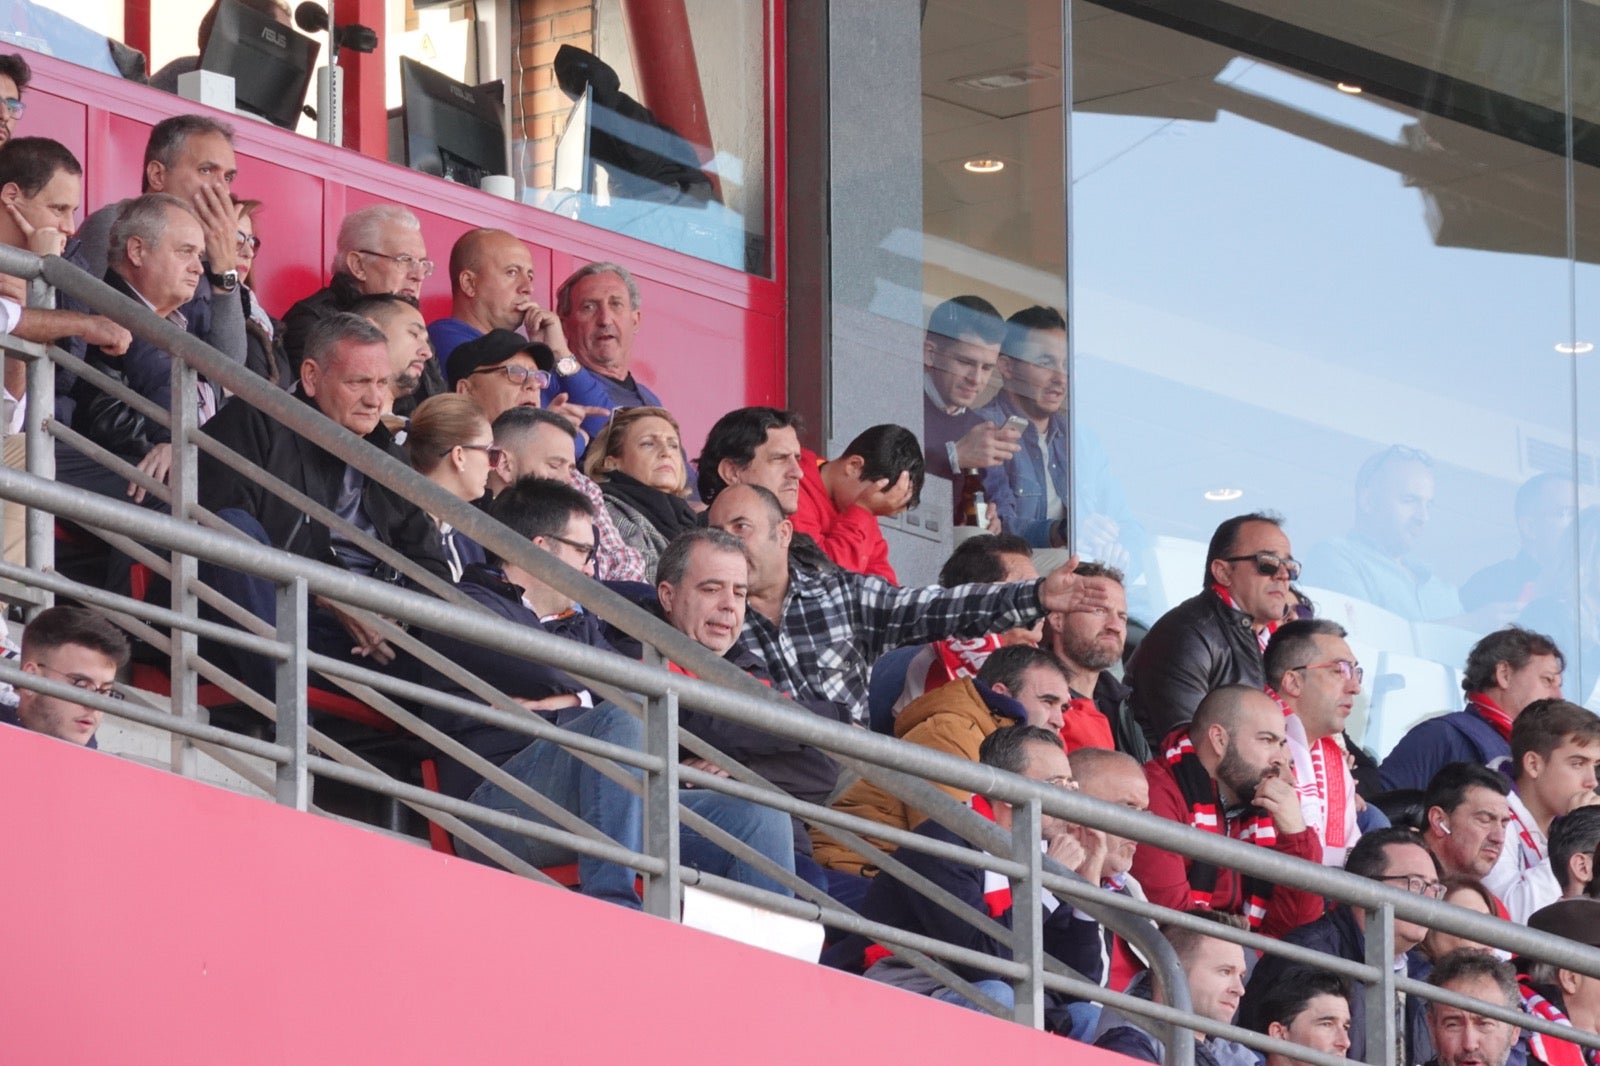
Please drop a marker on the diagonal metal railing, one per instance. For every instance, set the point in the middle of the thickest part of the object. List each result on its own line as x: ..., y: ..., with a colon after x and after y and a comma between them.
x: 174, y: 545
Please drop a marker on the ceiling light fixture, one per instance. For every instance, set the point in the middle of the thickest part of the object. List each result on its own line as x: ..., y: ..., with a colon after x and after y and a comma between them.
x: 983, y: 166
x: 1575, y: 347
x: 1348, y: 87
x: 1224, y: 495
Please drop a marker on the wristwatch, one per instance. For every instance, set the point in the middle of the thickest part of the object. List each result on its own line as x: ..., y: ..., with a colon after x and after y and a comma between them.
x: 224, y: 282
x: 567, y: 366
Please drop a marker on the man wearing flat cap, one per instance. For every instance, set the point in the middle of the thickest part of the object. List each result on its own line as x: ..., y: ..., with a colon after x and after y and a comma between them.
x: 501, y: 370
x: 1558, y: 995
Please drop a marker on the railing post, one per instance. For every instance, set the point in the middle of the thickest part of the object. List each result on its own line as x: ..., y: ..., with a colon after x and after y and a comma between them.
x: 183, y: 482
x: 1382, y: 1005
x: 1027, y: 916
x: 663, y: 896
x: 39, y: 529
x: 294, y: 784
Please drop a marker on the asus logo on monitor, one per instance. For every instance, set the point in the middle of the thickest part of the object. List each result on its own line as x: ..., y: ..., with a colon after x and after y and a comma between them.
x: 276, y: 38
x: 461, y: 94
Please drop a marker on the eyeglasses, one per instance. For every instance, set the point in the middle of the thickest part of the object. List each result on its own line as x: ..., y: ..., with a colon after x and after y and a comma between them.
x: 1347, y: 669
x: 15, y: 107
x: 108, y: 690
x: 493, y: 451
x: 516, y: 373
x: 1416, y: 885
x: 250, y: 241
x: 588, y: 549
x: 1268, y: 564
x: 408, y: 263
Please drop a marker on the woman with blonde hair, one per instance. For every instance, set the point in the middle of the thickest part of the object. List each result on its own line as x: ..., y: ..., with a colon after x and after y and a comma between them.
x: 450, y: 443
x: 638, y: 461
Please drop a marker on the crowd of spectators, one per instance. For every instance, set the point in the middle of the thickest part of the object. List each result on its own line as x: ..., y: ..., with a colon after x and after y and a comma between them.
x: 1229, y: 717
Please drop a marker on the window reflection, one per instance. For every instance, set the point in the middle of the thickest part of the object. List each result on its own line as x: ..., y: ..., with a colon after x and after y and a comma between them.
x: 1343, y: 307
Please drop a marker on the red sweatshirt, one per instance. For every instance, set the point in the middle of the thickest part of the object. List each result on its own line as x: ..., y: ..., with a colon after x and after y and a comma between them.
x: 1164, y: 875
x: 850, y: 537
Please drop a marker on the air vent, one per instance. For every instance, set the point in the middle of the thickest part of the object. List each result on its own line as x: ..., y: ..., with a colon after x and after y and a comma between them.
x: 1013, y: 78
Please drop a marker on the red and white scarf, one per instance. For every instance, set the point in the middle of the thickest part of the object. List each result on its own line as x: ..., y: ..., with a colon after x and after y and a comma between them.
x: 1552, y: 1051
x: 1206, y: 813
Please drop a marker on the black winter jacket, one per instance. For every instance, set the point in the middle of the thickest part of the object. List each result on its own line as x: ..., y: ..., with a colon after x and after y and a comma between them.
x: 1199, y: 645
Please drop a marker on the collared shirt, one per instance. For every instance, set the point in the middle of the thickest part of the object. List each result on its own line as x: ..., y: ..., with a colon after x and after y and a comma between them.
x: 836, y: 625
x: 205, y: 395
x: 1521, y: 876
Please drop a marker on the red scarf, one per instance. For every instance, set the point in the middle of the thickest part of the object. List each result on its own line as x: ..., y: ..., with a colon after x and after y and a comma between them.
x: 1490, y: 712
x: 1264, y: 634
x: 1550, y: 1050
x: 1206, y: 813
x: 1330, y: 785
x: 959, y: 658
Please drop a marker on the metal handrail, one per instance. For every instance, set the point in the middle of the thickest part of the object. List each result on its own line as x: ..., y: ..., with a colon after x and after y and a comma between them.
x: 729, y: 693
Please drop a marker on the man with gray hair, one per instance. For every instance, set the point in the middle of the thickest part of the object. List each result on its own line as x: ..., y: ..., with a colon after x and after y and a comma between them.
x: 346, y: 377
x: 190, y: 157
x: 379, y: 250
x: 156, y: 244
x: 1460, y: 1037
x: 599, y: 310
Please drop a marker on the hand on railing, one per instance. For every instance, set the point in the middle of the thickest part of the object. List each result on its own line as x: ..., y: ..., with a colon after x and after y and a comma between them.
x: 157, y: 462
x: 369, y: 641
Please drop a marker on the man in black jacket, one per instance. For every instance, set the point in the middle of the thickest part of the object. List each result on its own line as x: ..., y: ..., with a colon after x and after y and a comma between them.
x: 156, y: 244
x: 1217, y: 637
x: 346, y: 378
x: 1398, y: 858
x: 559, y: 519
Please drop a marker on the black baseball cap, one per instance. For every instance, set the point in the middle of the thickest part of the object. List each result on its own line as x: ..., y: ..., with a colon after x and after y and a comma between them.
x: 492, y: 349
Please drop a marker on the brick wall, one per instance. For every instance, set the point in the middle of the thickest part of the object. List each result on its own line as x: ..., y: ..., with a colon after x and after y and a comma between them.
x: 538, y: 106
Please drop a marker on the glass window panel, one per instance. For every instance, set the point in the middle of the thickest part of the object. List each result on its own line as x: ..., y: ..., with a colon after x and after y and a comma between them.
x: 1342, y: 306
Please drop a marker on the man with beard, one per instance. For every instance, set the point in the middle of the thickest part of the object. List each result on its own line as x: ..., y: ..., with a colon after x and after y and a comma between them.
x: 409, y: 349
x: 1316, y: 678
x: 1227, y: 772
x: 1088, y: 643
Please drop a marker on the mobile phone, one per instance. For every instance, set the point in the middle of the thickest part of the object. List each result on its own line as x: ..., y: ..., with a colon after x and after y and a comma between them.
x: 1016, y: 423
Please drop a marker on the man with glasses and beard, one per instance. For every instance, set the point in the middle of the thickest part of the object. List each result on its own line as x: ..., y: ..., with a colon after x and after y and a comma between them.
x: 1227, y: 772
x: 1217, y: 637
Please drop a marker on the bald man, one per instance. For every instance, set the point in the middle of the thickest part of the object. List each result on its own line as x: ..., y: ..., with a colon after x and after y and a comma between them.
x: 1229, y: 773
x: 491, y: 287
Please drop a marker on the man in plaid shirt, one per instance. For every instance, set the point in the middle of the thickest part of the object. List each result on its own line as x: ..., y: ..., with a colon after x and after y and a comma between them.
x: 820, y: 632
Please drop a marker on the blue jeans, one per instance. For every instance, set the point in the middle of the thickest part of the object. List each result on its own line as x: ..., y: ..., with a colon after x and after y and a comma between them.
x: 994, y: 989
x: 577, y: 787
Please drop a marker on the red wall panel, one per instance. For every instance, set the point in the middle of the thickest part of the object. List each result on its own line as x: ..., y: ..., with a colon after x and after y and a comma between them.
x: 711, y: 338
x: 156, y: 920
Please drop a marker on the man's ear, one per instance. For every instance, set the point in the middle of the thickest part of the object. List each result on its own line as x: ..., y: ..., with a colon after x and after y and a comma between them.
x: 1277, y: 1030
x: 930, y: 352
x: 467, y: 282
x: 1502, y: 674
x: 354, y: 266
x: 1532, y: 765
x: 664, y: 593
x: 10, y: 193
x: 728, y: 471
x: 1570, y: 982
x: 155, y: 176
x: 1220, y: 574
x: 785, y: 532
x: 1580, y: 868
x: 134, y: 250
x: 853, y: 465
x: 1000, y: 687
x: 309, y: 373
x: 1292, y: 683
x: 1217, y: 737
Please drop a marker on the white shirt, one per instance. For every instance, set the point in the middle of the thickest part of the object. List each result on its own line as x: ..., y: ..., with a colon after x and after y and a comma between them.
x: 1522, y: 877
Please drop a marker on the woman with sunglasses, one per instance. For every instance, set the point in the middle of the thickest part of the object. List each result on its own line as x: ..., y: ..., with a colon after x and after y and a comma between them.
x: 450, y: 443
x: 264, y: 351
x: 638, y: 462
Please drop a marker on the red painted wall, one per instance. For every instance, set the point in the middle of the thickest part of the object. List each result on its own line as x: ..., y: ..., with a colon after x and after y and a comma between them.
x: 710, y: 338
x: 151, y: 919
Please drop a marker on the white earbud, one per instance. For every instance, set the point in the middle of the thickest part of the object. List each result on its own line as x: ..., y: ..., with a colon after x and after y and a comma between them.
x: 1444, y: 829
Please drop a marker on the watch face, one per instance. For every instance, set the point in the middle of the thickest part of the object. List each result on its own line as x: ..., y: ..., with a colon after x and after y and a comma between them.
x: 566, y: 366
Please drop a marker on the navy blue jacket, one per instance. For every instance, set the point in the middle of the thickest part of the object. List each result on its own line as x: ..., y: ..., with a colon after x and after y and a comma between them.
x: 1072, y: 939
x: 1461, y: 736
x: 1336, y: 933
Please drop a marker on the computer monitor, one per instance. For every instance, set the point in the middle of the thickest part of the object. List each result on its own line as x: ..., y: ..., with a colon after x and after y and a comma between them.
x: 574, y: 170
x: 270, y: 63
x: 453, y: 130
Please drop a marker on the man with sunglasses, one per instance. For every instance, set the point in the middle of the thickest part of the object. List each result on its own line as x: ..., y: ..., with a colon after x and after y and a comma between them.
x: 73, y: 646
x: 1315, y: 676
x: 1217, y: 637
x: 1395, y: 857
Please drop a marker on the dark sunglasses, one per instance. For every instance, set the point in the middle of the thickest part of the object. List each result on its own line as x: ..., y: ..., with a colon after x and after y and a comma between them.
x: 1269, y: 564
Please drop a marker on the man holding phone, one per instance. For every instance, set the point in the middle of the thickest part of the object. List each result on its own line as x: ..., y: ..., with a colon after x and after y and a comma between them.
x: 1030, y: 489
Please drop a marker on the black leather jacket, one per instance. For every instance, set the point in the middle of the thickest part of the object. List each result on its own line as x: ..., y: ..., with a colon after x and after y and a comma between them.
x: 1199, y: 645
